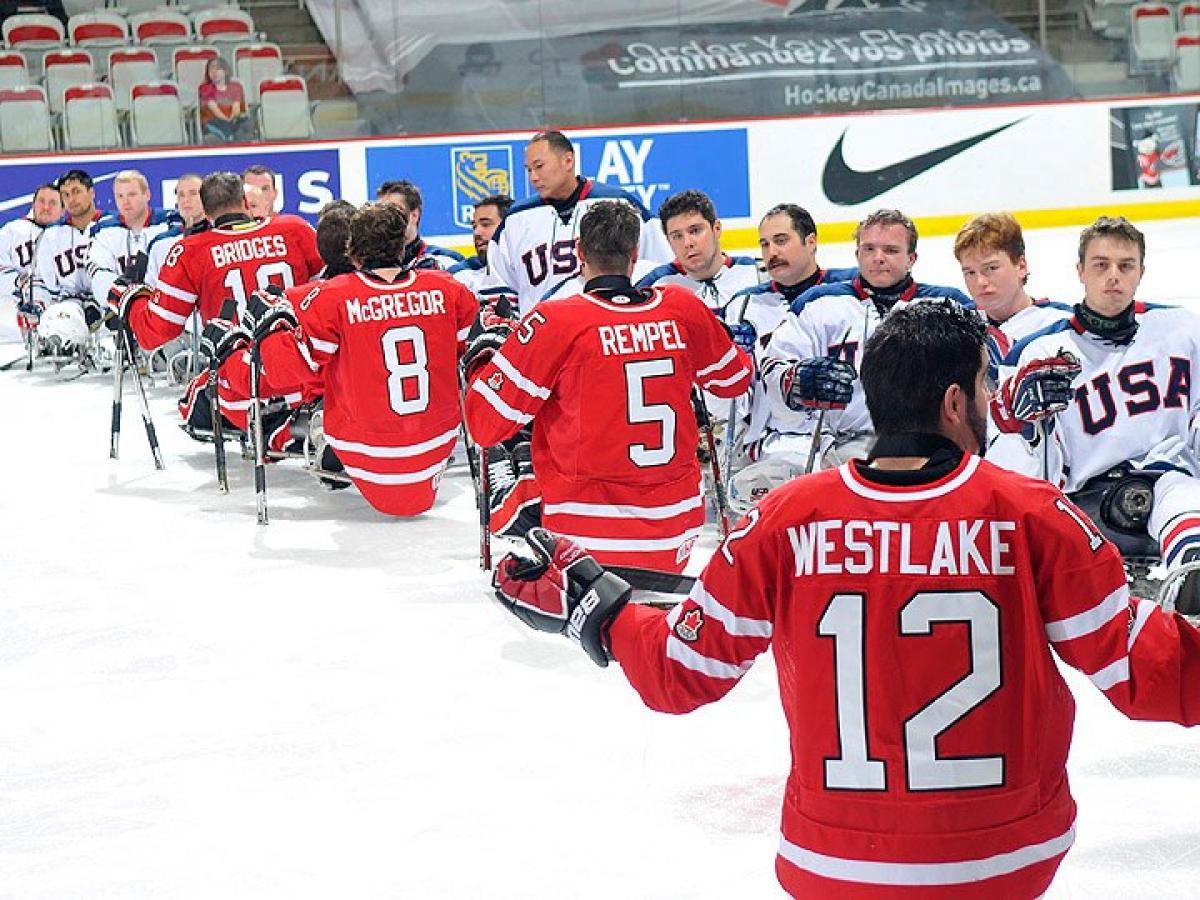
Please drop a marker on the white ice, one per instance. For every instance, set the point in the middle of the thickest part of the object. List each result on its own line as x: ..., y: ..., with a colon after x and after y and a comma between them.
x: 192, y: 705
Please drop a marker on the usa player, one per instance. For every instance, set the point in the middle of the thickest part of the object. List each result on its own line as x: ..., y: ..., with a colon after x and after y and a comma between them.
x: 385, y: 339
x: 810, y: 361
x: 238, y: 255
x: 693, y: 230
x: 121, y: 240
x: 60, y: 266
x: 191, y: 219
x: 485, y: 219
x: 911, y: 600
x: 990, y: 248
x: 261, y: 185
x: 18, y: 241
x: 787, y: 238
x: 1116, y: 382
x: 407, y: 197
x: 606, y: 377
x: 533, y: 250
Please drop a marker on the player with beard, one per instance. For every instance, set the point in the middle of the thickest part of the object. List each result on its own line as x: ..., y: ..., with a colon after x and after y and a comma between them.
x: 486, y: 218
x: 911, y: 600
x: 18, y: 242
x: 407, y: 197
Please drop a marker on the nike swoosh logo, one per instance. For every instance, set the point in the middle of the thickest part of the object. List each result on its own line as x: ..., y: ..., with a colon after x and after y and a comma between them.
x: 846, y: 186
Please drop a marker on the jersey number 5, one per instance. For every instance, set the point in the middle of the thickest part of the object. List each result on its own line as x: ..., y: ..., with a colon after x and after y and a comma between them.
x: 639, y: 412
x: 854, y: 769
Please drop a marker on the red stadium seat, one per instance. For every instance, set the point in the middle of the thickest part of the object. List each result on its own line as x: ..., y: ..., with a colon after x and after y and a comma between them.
x: 89, y: 118
x: 26, y: 31
x: 161, y: 26
x: 127, y: 68
x: 225, y: 25
x: 14, y: 72
x: 24, y: 120
x: 98, y: 29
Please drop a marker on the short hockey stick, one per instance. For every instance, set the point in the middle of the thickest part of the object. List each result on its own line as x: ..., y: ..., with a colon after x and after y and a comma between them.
x: 114, y: 437
x: 706, y: 429
x: 212, y: 391
x: 260, y: 452
x: 140, y: 389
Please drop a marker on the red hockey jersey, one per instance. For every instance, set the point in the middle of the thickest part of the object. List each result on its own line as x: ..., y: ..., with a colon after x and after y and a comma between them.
x: 388, y: 353
x: 230, y: 260
x: 913, y: 628
x: 615, y: 436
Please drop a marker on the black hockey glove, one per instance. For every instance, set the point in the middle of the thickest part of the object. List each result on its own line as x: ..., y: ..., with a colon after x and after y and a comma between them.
x: 818, y: 383
x: 1036, y: 391
x: 121, y: 298
x: 561, y: 590
x: 481, y: 350
x: 268, y: 310
x: 221, y: 338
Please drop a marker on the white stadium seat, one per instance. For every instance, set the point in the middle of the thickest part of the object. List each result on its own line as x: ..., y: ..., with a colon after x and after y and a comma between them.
x: 189, y: 64
x: 14, y: 72
x: 28, y: 31
x: 127, y: 68
x: 283, y: 112
x: 1151, y: 34
x: 65, y: 68
x: 224, y: 25
x: 156, y: 115
x: 1187, y: 62
x: 161, y: 27
x: 89, y: 118
x: 98, y: 29
x: 1189, y: 18
x: 1109, y: 17
x: 24, y: 120
x: 254, y: 62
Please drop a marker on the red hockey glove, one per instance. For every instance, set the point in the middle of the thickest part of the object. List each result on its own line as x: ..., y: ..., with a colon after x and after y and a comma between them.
x: 1036, y: 391
x: 561, y: 590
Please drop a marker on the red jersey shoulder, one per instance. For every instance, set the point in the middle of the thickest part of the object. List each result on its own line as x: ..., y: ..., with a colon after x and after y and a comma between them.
x: 288, y: 222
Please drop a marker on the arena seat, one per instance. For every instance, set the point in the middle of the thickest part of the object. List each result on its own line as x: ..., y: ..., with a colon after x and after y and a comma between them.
x: 1151, y: 35
x: 14, y: 72
x: 30, y: 31
x: 283, y: 112
x: 1189, y: 18
x: 98, y: 29
x: 24, y: 120
x: 254, y: 62
x: 64, y: 69
x: 189, y: 64
x: 127, y: 68
x: 1186, y: 73
x: 1109, y: 17
x: 89, y: 118
x: 156, y: 115
x: 161, y: 27
x: 224, y: 25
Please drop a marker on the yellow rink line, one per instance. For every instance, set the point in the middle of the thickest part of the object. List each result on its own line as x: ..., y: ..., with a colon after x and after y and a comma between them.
x: 745, y: 240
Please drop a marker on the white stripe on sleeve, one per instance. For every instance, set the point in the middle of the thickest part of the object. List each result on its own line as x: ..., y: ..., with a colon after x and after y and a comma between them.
x: 1090, y: 620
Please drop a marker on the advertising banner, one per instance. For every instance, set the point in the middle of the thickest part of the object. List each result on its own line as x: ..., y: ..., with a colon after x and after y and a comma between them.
x: 1154, y: 147
x: 454, y: 175
x: 308, y: 178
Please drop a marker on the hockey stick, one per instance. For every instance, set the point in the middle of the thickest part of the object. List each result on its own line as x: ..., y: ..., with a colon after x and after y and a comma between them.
x: 479, y: 478
x: 655, y: 582
x: 260, y: 452
x: 706, y: 429
x: 114, y: 437
x: 212, y: 391
x: 816, y: 438
x: 126, y: 334
x: 731, y: 421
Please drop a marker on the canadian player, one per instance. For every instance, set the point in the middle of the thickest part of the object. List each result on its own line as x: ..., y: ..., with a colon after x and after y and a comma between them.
x: 787, y: 238
x: 912, y: 600
x: 606, y: 377
x: 990, y: 248
x: 693, y: 230
x: 533, y: 250
x: 1114, y: 387
x: 386, y: 340
x: 238, y: 255
x: 810, y: 362
x: 121, y: 239
x: 485, y: 219
x: 18, y: 242
x: 407, y: 197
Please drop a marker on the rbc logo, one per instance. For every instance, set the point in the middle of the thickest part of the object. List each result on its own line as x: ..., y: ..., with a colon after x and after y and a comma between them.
x: 479, y: 172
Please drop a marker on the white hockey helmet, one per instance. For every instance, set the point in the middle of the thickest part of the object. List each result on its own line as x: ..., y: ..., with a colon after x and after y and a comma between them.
x: 64, y: 321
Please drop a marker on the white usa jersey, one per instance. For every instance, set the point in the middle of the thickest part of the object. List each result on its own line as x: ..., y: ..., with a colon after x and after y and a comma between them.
x: 115, y: 244
x: 60, y: 265
x: 736, y: 274
x: 833, y: 320
x: 534, y: 248
x: 1032, y: 319
x: 18, y: 239
x: 573, y: 284
x: 1133, y: 402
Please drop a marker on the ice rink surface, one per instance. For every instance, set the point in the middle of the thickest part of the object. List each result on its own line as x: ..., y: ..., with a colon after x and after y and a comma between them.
x: 332, y: 706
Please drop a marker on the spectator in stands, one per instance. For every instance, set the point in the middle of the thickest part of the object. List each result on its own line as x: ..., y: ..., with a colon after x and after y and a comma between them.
x: 222, y: 103
x: 262, y: 190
